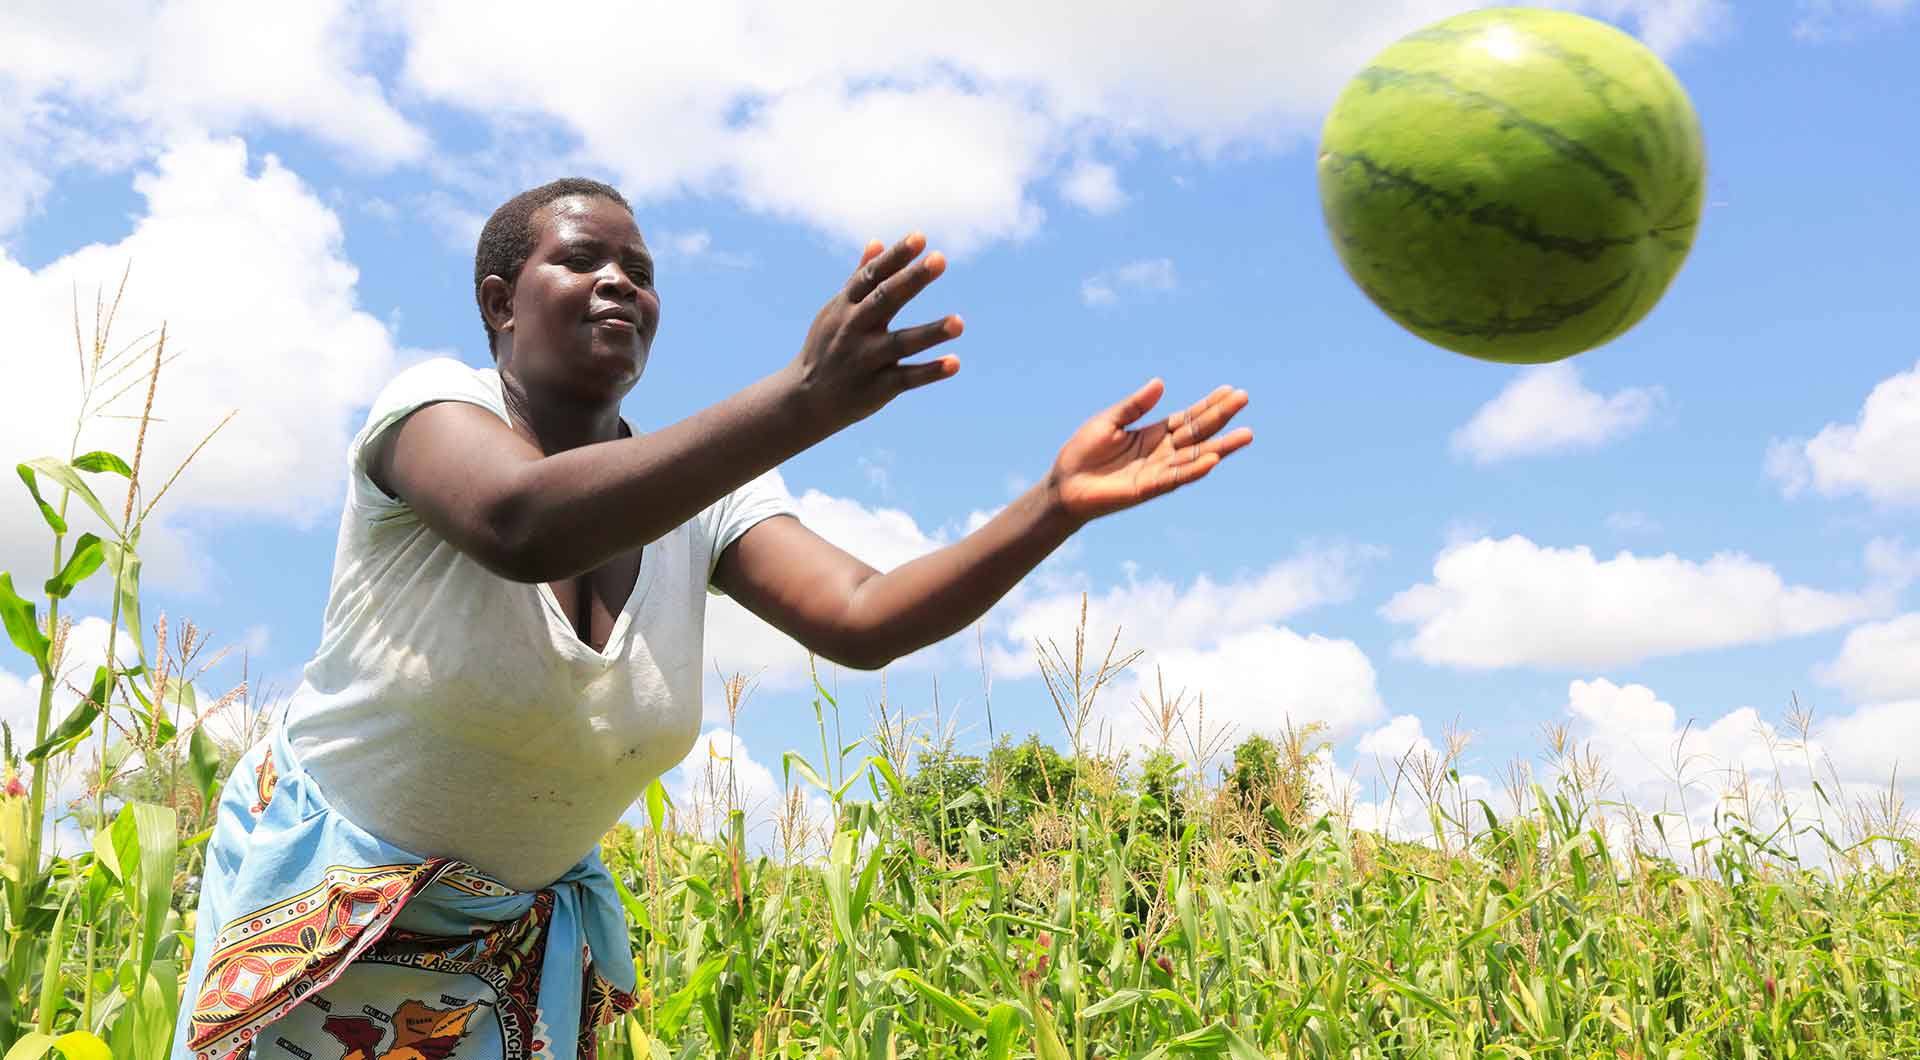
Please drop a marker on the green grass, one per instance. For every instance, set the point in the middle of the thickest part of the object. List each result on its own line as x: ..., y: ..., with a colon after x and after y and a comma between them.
x: 1237, y: 932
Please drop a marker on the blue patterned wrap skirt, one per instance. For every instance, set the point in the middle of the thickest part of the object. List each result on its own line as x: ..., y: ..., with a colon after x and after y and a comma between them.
x: 315, y: 940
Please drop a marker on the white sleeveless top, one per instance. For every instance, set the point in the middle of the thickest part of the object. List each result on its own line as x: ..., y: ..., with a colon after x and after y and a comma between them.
x: 452, y: 712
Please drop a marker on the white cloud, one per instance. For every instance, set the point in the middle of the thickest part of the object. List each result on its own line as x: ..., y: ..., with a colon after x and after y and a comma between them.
x: 246, y: 267
x: 1668, y: 25
x: 1401, y: 736
x: 720, y: 774
x: 979, y: 518
x: 1398, y: 773
x: 1646, y: 745
x: 1510, y: 602
x: 1260, y: 680
x: 83, y: 96
x: 853, y: 120
x: 738, y: 642
x: 1879, y: 660
x: 695, y: 247
x: 1156, y: 615
x: 881, y: 163
x: 1872, y: 455
x: 1626, y: 747
x: 20, y: 706
x: 1547, y: 410
x: 1634, y: 522
x: 1889, y: 560
x: 1093, y: 186
x: 878, y: 470
x: 1820, y: 19
x: 257, y: 640
x: 1152, y: 275
x: 458, y: 225
x: 1874, y: 743
x: 866, y: 122
x: 28, y: 131
x: 1688, y: 765
x: 883, y: 538
x: 1220, y: 641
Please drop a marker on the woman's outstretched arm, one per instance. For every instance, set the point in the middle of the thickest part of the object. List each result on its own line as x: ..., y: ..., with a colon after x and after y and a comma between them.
x: 844, y: 610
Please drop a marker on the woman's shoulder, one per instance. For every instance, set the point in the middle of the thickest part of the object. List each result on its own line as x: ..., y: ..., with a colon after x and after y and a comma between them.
x: 422, y: 383
x: 437, y: 379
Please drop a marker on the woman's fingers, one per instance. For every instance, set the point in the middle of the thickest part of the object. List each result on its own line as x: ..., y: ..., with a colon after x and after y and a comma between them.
x: 899, y: 345
x: 906, y: 377
x: 1226, y: 444
x: 875, y: 269
x: 1204, y: 418
x: 877, y: 309
x: 1181, y: 474
x: 1137, y: 404
x: 1182, y: 466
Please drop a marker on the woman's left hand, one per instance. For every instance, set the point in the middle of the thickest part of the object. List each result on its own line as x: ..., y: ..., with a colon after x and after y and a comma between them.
x: 1107, y: 467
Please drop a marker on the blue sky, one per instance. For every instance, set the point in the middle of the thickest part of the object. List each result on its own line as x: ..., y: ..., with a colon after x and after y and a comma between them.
x: 1693, y: 524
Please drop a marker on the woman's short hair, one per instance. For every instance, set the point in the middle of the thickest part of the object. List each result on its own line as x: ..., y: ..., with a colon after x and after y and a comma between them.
x: 508, y: 236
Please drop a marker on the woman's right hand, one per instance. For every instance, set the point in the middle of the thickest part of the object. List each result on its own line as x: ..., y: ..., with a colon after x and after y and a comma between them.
x: 849, y: 367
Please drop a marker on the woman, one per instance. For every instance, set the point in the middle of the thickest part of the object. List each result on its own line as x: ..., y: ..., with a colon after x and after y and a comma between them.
x: 408, y: 866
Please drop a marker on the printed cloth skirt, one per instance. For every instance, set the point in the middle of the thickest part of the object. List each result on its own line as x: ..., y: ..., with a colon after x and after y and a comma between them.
x: 315, y: 940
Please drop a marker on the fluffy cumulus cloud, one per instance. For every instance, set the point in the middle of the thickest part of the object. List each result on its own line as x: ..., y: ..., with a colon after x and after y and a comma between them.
x: 1691, y: 767
x: 1511, y: 602
x: 78, y: 96
x: 1647, y: 746
x: 1153, y: 612
x: 1218, y: 644
x: 862, y: 121
x: 854, y: 120
x: 1262, y: 680
x: 19, y: 706
x: 245, y: 267
x: 1548, y: 410
x: 1879, y: 660
x: 1872, y: 456
x: 1221, y: 640
x: 1147, y: 276
x: 1395, y: 774
x: 1629, y: 749
x: 1889, y: 560
x: 883, y: 538
x: 1094, y: 187
x: 1401, y: 736
x: 721, y: 775
x: 1876, y: 745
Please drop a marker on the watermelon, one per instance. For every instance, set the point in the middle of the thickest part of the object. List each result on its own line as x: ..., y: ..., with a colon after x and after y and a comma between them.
x: 1514, y: 184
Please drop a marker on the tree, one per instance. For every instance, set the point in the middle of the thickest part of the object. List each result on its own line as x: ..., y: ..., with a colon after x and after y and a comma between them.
x: 1275, y: 778
x: 944, y: 795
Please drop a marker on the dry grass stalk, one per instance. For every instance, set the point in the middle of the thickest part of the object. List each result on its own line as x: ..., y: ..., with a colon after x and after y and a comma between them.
x: 1070, y: 686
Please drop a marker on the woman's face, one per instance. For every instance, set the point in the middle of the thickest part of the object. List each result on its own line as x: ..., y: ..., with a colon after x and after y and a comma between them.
x: 584, y: 308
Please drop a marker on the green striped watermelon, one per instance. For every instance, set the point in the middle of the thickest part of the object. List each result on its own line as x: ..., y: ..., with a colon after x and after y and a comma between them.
x: 1515, y: 184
